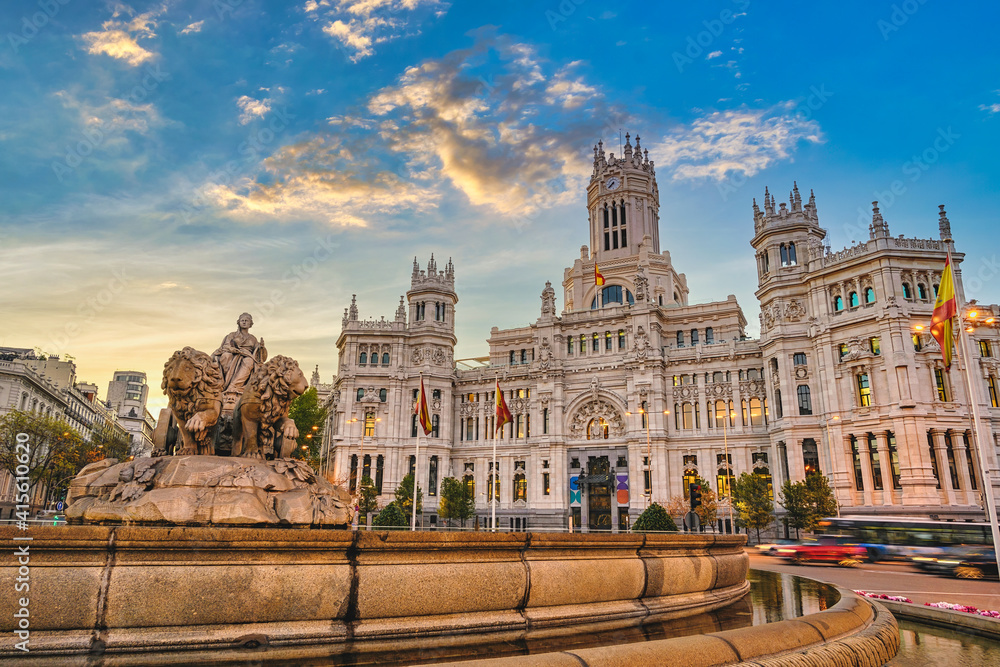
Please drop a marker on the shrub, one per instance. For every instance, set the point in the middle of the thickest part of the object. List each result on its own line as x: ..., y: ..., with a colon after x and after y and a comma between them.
x: 390, y: 517
x: 654, y: 519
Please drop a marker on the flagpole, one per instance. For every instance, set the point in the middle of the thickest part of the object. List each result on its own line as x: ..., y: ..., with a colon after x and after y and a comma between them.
x: 416, y: 457
x: 984, y: 471
x: 493, y: 480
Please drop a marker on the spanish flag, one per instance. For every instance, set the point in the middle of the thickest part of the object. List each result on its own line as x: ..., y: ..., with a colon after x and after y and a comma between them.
x: 420, y: 409
x: 598, y: 278
x: 945, y: 309
x: 503, y: 412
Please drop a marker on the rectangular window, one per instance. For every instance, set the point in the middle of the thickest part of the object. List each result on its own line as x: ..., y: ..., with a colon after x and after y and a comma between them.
x: 545, y: 421
x: 569, y: 345
x: 864, y: 391
x: 608, y: 341
x: 876, y: 345
x: 984, y: 349
x: 894, y: 461
x: 583, y: 343
x: 621, y: 339
x: 520, y: 426
x: 973, y: 477
x: 597, y: 343
x: 799, y: 359
x: 527, y: 424
x: 546, y: 487
x: 992, y: 385
x: 843, y: 350
x: 916, y: 343
x: 876, y: 464
x: 934, y: 460
x: 859, y: 480
x: 942, y: 390
x: 432, y: 476
x: 647, y: 482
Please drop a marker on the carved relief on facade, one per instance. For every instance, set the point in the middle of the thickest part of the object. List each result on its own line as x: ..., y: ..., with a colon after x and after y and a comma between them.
x: 417, y: 356
x: 716, y: 390
x: 439, y: 357
x: 544, y: 354
x: 641, y: 285
x: 686, y: 392
x: 794, y: 311
x: 641, y: 346
x: 469, y: 409
x: 801, y: 372
x: 752, y: 388
x: 857, y: 348
x: 548, y: 300
x: 593, y: 415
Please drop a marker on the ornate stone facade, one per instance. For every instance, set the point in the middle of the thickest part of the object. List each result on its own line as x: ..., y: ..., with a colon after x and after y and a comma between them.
x: 626, y: 392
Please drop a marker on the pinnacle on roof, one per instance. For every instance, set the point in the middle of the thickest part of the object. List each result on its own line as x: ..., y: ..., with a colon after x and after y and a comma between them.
x: 944, y: 225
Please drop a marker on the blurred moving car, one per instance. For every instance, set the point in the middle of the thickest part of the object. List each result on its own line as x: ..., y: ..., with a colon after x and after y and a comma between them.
x: 841, y: 549
x: 771, y: 548
x: 964, y: 562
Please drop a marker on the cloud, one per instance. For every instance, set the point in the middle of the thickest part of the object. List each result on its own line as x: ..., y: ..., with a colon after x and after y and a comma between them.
x: 112, y: 115
x: 359, y: 25
x: 489, y: 121
x: 118, y: 38
x: 713, y: 54
x: 251, y: 108
x: 194, y: 27
x: 728, y: 142
x: 991, y: 108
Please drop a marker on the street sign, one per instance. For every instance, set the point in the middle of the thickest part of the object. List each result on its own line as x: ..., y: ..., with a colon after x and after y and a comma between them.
x: 692, y: 522
x: 60, y: 505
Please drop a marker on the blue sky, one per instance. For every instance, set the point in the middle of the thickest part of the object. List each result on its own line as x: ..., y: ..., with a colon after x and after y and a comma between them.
x: 165, y: 166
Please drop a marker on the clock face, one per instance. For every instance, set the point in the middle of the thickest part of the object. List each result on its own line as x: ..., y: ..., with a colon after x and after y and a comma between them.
x: 613, y: 183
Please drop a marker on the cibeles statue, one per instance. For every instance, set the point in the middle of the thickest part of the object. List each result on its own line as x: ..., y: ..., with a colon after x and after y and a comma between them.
x: 257, y: 484
x: 238, y: 356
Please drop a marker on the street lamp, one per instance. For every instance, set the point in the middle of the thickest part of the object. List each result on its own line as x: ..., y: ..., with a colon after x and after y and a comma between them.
x: 729, y: 465
x: 970, y: 322
x: 649, y: 455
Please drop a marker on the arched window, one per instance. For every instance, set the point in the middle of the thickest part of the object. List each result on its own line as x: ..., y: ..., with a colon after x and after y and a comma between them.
x: 607, y: 231
x: 363, y: 359
x: 791, y: 254
x: 435, y: 423
x: 688, y: 416
x: 709, y: 336
x: 907, y: 294
x: 783, y: 251
x: 777, y: 404
x: 677, y: 298
x: 524, y: 356
x: 869, y: 295
x: 470, y: 485
x: 597, y: 342
x: 621, y: 339
x: 598, y: 429
x: 385, y: 358
x: 756, y: 412
x: 838, y: 304
x: 921, y: 292
x: 614, y: 227
x: 694, y: 336
x: 624, y: 235
x: 520, y: 485
x: 432, y: 476
x: 810, y: 456
x: 382, y: 395
x: 935, y: 291
x: 513, y: 357
x: 569, y: 345
x: 805, y: 400
x: 854, y: 299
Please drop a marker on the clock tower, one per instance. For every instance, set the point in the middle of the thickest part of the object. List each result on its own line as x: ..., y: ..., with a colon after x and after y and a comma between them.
x: 623, y: 202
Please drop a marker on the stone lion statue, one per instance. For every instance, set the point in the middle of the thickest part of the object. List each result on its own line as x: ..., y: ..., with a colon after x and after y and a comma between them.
x: 262, y: 411
x: 193, y: 385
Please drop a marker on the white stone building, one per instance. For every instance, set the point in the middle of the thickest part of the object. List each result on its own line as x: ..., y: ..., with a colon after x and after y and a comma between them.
x: 626, y: 391
x: 127, y: 394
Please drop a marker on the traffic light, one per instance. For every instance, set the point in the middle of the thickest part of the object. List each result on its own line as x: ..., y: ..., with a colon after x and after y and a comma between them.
x: 694, y: 490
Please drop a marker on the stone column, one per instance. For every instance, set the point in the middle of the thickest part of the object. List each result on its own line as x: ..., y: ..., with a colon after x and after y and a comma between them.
x: 885, y: 462
x: 968, y: 495
x: 866, y: 468
x: 944, y: 472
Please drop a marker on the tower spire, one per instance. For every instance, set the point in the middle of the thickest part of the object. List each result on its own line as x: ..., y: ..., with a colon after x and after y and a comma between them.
x: 944, y: 225
x: 879, y: 228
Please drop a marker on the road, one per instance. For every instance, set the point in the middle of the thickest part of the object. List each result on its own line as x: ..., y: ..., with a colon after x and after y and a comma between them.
x: 892, y: 579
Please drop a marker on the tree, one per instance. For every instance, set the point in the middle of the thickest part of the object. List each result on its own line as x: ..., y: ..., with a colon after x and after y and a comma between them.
x: 309, y: 417
x: 51, y: 455
x: 708, y: 511
x: 807, y: 502
x: 654, y: 519
x: 677, y: 507
x: 456, y: 500
x: 794, y: 498
x: 391, y: 517
x: 753, y: 502
x: 404, y: 496
x: 821, y: 498
x: 368, y: 498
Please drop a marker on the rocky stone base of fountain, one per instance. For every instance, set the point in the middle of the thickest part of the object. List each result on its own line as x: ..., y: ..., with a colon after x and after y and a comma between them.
x: 206, y: 490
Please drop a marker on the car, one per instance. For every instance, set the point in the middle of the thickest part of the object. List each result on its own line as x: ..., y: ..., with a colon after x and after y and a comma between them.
x: 771, y: 548
x: 964, y: 562
x: 841, y: 549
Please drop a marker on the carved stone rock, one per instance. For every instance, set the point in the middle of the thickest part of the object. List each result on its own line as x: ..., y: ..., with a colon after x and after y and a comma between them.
x: 206, y: 490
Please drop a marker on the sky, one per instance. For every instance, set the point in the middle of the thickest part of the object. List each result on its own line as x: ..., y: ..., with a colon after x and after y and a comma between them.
x: 166, y: 166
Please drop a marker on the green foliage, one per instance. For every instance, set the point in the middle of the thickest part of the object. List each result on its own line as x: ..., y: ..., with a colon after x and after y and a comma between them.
x: 404, y: 496
x: 56, y: 452
x: 309, y: 417
x: 807, y: 502
x: 753, y: 504
x: 708, y: 512
x: 654, y: 519
x: 456, y: 501
x: 391, y: 517
x: 368, y: 498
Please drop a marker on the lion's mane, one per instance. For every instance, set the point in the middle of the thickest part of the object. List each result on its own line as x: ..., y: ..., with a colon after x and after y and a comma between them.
x: 271, y: 386
x: 206, y: 383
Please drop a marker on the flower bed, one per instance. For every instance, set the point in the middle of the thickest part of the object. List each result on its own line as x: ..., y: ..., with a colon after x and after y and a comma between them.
x: 941, y: 605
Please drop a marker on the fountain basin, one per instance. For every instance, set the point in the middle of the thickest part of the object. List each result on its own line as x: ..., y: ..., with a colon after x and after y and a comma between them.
x: 138, y: 591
